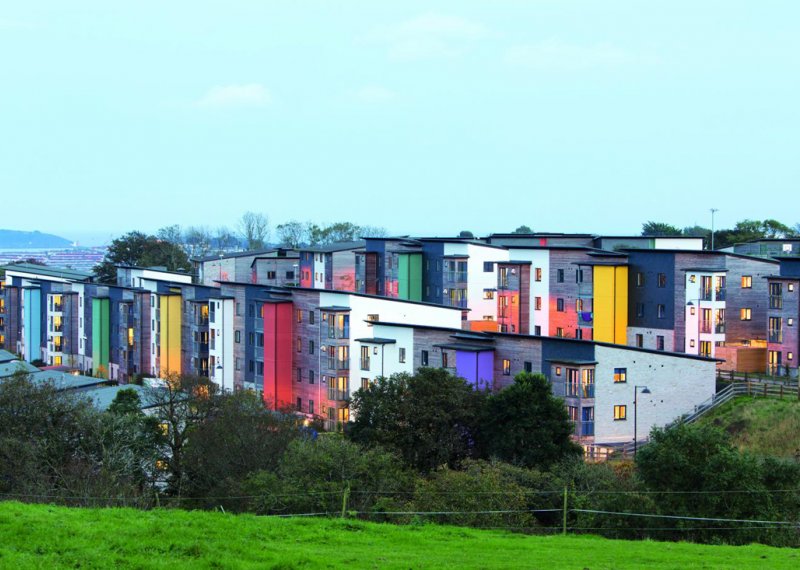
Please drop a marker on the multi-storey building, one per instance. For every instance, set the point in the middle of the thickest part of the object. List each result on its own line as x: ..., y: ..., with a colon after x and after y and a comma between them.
x: 767, y: 247
x: 272, y: 266
x: 783, y: 313
x: 695, y: 301
x: 331, y: 266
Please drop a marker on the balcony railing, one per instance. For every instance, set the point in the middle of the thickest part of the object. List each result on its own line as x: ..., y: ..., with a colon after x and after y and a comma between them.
x: 719, y: 328
x: 580, y: 390
x: 365, y: 363
x: 338, y: 332
x: 58, y: 328
x: 775, y: 336
x: 337, y: 364
x: 338, y: 395
x: 775, y: 302
x: 706, y: 327
x: 719, y: 294
x: 455, y: 277
x: 705, y: 295
x: 584, y: 429
x: 461, y: 304
x: 585, y: 318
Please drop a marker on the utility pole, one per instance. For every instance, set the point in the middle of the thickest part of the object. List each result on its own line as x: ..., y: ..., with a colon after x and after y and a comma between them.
x: 713, y: 211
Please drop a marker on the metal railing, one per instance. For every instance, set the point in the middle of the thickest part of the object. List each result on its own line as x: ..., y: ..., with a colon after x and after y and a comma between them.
x: 775, y: 301
x: 775, y: 336
x: 337, y: 364
x: 338, y: 395
x: 719, y: 328
x: 580, y: 390
x: 365, y: 363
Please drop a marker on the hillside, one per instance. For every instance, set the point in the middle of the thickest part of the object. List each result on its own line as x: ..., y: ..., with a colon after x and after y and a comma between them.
x: 13, y: 239
x: 766, y: 426
x: 40, y: 536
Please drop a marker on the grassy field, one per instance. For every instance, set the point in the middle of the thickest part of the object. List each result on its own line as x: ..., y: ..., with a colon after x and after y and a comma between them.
x: 767, y: 426
x: 40, y: 536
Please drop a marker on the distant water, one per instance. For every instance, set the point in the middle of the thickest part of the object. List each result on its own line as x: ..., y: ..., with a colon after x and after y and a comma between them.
x: 77, y: 258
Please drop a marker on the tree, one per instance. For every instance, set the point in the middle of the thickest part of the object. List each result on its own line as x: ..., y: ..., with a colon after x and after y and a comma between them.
x: 523, y: 229
x: 525, y: 425
x: 141, y: 250
x: 172, y: 234
x: 238, y: 437
x: 292, y: 234
x: 198, y: 241
x: 225, y: 240
x: 660, y: 229
x: 126, y: 401
x: 430, y: 418
x: 254, y: 229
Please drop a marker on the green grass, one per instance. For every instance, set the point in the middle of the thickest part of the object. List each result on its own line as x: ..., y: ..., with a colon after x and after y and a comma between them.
x: 41, y: 536
x: 767, y: 426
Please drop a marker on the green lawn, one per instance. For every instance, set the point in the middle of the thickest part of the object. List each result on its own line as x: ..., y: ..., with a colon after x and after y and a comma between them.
x: 767, y: 426
x: 40, y: 536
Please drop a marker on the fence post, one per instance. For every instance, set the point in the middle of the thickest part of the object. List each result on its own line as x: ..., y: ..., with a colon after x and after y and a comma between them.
x: 781, y: 396
x: 745, y: 376
x: 564, y: 520
x: 765, y: 390
x: 345, y: 497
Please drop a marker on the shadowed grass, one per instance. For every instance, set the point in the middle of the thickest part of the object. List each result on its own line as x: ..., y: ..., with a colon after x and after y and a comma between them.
x: 766, y: 426
x: 41, y: 536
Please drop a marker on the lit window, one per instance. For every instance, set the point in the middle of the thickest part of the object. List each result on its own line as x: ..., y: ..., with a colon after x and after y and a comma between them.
x: 789, y: 322
x: 560, y: 305
x: 620, y: 413
x: 488, y: 294
x: 537, y: 303
x: 620, y: 375
x: 790, y: 287
x: 299, y: 315
x: 559, y: 332
x: 691, y: 343
x: 692, y: 278
x: 558, y: 371
x: 538, y: 274
x: 747, y: 281
x: 790, y: 356
x: 745, y: 314
x: 401, y: 354
x: 506, y: 367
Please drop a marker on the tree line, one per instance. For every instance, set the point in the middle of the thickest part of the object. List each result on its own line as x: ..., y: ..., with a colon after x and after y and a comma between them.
x: 742, y: 231
x: 422, y: 448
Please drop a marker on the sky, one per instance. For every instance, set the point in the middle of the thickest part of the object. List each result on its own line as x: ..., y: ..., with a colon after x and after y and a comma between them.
x: 426, y: 118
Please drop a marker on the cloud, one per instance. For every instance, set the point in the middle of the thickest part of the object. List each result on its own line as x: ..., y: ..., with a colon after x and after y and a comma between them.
x: 243, y: 95
x: 428, y: 36
x: 556, y: 55
x: 375, y: 94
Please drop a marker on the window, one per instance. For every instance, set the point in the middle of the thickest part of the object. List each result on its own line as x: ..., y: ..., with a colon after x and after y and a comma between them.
x: 527, y: 366
x: 311, y: 376
x: 401, y: 354
x: 692, y: 278
x: 311, y: 406
x: 639, y: 279
x: 560, y: 305
x: 747, y: 281
x: 789, y: 322
x: 299, y: 404
x: 251, y: 310
x: 640, y: 310
x: 790, y: 287
x: 691, y: 343
x: 620, y: 375
x: 538, y: 274
x: 639, y: 340
x: 299, y: 344
x: 251, y: 366
x: 290, y: 275
x: 662, y: 280
x: 364, y: 383
x: 661, y: 311
x: 506, y: 367
x: 423, y: 358
x: 444, y: 359
x: 238, y: 363
x: 271, y: 275
x: 620, y: 413
x: 299, y: 374
x: 488, y: 266
x: 745, y: 314
x: 705, y: 348
x: 537, y: 303
x: 299, y: 315
x: 311, y: 317
x: 560, y: 276
x: 311, y: 347
x: 238, y: 309
x: 659, y: 342
x: 260, y: 340
x: 790, y: 356
x: 558, y: 371
x: 374, y: 318
x: 488, y: 293
x: 260, y: 368
x: 251, y: 338
x: 537, y: 330
x: 237, y: 336
x: 559, y: 332
x: 579, y: 305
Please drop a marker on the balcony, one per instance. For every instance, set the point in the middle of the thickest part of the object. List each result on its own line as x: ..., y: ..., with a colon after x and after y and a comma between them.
x: 719, y: 294
x: 454, y: 277
x: 775, y: 336
x: 461, y: 304
x: 580, y: 390
x: 775, y: 302
x: 719, y: 328
x: 58, y: 328
x: 584, y: 429
x: 336, y: 364
x: 338, y: 332
x: 201, y: 321
x: 58, y: 307
x: 585, y: 319
x: 705, y: 294
x: 585, y: 289
x: 706, y: 327
x: 338, y: 395
x: 365, y: 363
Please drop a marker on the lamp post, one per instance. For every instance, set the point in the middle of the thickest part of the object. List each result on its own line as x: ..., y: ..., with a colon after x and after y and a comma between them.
x: 713, y: 211
x: 645, y: 390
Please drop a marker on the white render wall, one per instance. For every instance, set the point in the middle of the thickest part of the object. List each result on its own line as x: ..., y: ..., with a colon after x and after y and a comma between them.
x: 479, y: 280
x: 693, y: 321
x: 679, y: 243
x: 319, y: 271
x: 677, y: 385
x: 387, y: 359
x: 222, y: 331
x: 539, y: 258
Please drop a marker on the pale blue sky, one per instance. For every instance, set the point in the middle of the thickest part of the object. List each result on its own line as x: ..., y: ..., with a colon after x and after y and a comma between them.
x: 423, y: 117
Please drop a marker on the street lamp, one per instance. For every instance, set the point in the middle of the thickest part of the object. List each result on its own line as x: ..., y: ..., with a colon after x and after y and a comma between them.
x: 645, y: 390
x: 713, y: 211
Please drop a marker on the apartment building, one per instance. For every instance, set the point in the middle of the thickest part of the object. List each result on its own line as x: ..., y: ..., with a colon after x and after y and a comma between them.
x: 783, y: 313
x: 271, y: 266
x: 331, y: 266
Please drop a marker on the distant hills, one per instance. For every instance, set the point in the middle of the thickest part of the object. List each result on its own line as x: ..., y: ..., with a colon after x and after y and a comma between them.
x: 13, y: 239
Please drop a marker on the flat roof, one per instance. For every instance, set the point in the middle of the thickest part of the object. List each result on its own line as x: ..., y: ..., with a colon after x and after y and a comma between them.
x: 376, y: 340
x: 463, y: 347
x: 6, y: 356
x: 334, y: 247
x: 252, y: 252
x: 571, y: 361
x: 13, y: 366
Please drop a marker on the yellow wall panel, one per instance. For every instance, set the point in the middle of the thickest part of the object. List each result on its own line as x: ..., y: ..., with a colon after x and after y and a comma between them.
x: 170, y: 334
x: 610, y: 300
